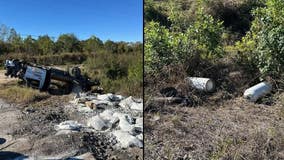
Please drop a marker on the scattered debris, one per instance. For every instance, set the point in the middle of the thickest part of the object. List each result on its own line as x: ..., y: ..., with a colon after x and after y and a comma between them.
x: 132, y: 103
x: 127, y: 140
x: 108, y: 117
x: 203, y: 84
x: 257, y: 91
x: 97, y: 123
x: 69, y: 125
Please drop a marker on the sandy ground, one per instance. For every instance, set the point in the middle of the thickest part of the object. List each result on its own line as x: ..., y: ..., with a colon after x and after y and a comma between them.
x: 4, y: 79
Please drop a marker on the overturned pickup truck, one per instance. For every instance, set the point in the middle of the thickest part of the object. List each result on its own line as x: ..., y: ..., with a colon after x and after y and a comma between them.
x: 40, y: 77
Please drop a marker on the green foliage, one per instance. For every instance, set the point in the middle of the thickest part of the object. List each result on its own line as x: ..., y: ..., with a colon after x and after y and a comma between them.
x: 165, y: 46
x: 264, y: 44
x: 120, y: 73
x: 206, y: 34
x: 154, y: 13
x: 110, y: 46
x: 118, y: 65
x: 30, y: 45
x: 45, y: 45
x: 92, y: 44
x: 15, y: 40
x: 116, y: 71
x: 68, y: 43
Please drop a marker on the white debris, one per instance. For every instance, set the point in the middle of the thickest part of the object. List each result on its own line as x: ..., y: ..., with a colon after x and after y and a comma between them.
x: 107, y: 114
x: 203, y: 84
x: 139, y: 121
x: 140, y: 137
x: 127, y: 130
x: 97, y: 123
x: 61, y: 132
x: 109, y: 97
x: 257, y: 91
x: 127, y: 140
x: 108, y: 117
x: 84, y: 109
x: 131, y: 103
x: 139, y: 125
x: 69, y: 125
x: 137, y: 106
x: 104, y: 97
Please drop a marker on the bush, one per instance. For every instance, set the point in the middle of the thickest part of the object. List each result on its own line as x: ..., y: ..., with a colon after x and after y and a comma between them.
x: 264, y: 44
x: 118, y: 73
x: 165, y: 46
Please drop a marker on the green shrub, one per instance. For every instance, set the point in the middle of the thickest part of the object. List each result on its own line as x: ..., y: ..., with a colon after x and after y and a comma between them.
x: 118, y: 73
x: 165, y: 46
x: 264, y: 44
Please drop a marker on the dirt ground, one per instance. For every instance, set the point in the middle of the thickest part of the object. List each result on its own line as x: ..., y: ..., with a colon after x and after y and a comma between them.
x: 4, y: 79
x: 27, y: 130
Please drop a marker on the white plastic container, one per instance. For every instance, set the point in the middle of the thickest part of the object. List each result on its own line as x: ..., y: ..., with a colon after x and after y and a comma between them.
x: 203, y: 84
x: 257, y: 91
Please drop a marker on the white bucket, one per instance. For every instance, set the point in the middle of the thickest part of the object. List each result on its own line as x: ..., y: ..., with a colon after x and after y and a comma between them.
x: 203, y: 84
x: 257, y: 91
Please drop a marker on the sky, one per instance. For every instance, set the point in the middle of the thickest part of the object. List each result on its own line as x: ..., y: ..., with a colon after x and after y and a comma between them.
x: 117, y: 20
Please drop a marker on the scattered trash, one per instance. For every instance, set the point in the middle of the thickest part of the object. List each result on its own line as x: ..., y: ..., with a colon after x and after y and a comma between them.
x: 84, y: 109
x: 257, y: 91
x: 131, y: 103
x: 127, y: 140
x: 109, y: 97
x: 105, y: 116
x: 69, y: 125
x: 97, y: 123
x: 140, y: 137
x: 203, y: 84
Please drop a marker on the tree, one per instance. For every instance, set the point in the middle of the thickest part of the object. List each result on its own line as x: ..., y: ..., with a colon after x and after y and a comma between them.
x: 45, y: 45
x: 15, y: 40
x: 110, y: 46
x: 121, y: 47
x: 68, y: 43
x: 30, y: 45
x: 4, y: 32
x: 92, y: 44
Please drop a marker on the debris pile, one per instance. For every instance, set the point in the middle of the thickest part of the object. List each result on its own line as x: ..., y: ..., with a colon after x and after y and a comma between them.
x: 113, y: 115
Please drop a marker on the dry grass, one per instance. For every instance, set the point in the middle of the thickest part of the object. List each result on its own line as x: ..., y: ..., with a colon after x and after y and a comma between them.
x: 234, y: 130
x: 18, y: 94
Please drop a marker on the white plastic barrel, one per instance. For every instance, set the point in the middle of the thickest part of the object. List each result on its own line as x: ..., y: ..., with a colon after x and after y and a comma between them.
x: 203, y: 84
x: 257, y: 91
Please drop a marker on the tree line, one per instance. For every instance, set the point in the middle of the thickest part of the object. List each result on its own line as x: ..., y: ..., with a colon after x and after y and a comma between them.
x: 12, y: 42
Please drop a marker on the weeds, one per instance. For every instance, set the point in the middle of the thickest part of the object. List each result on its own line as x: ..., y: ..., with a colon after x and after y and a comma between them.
x: 18, y: 94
